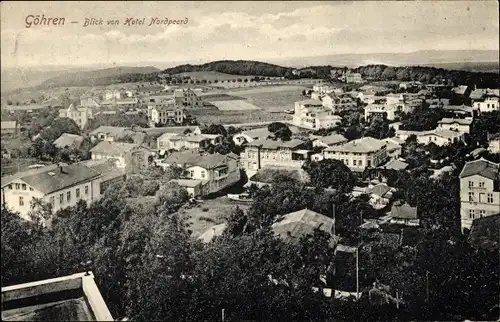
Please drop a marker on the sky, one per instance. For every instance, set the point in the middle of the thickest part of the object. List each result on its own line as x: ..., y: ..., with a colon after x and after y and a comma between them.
x: 241, y: 30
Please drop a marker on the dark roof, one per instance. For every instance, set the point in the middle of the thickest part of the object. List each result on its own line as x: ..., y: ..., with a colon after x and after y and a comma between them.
x: 395, y: 165
x: 380, y: 189
x: 70, y: 140
x: 113, y: 148
x: 54, y: 180
x: 481, y: 167
x: 192, y: 158
x: 268, y: 174
x: 485, y: 233
x: 404, y: 211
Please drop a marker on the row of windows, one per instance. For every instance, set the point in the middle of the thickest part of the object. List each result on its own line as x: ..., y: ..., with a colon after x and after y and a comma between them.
x: 61, y: 196
x: 489, y: 197
x: 471, y: 184
x: 19, y: 186
x: 472, y: 214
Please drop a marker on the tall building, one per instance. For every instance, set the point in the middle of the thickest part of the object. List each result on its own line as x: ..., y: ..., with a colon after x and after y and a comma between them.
x: 479, y: 191
x: 359, y: 154
x: 80, y: 115
x: 311, y: 114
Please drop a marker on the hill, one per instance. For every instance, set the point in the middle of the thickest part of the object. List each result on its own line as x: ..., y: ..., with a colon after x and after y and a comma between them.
x: 210, y: 76
x: 483, y: 67
x: 99, y: 77
x: 234, y: 67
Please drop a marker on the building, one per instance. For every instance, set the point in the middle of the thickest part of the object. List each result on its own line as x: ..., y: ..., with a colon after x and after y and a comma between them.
x: 359, y: 154
x: 394, y: 148
x: 165, y: 114
x: 338, y: 102
x: 439, y: 137
x: 205, y: 173
x: 89, y: 101
x: 459, y: 111
x: 325, y: 88
x: 328, y: 140
x: 9, y: 127
x: 387, y: 111
x: 380, y: 195
x: 72, y: 141
x: 186, y: 141
x: 460, y: 125
x: 411, y: 85
x: 292, y: 226
x: 311, y: 114
x: 113, y: 94
x: 80, y: 115
x: 126, y: 155
x: 479, y: 191
x: 187, y: 98
x: 404, y: 214
x: 107, y: 133
x: 488, y: 104
x: 68, y: 298
x: 252, y: 135
x: 494, y: 143
x: 61, y: 186
x: 261, y: 153
x: 352, y: 78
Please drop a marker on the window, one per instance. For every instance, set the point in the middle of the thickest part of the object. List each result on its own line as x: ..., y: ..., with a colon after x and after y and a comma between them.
x: 481, y: 184
x: 369, y: 163
x: 68, y: 196
x: 482, y: 198
x: 471, y: 214
x: 61, y: 198
x: 21, y: 201
x: 86, y: 190
x: 18, y: 186
x: 471, y: 196
x: 78, y: 192
x: 51, y: 200
x: 471, y: 184
x: 191, y: 173
x: 31, y: 189
x: 360, y: 163
x: 490, y: 198
x: 353, y: 162
x: 481, y: 213
x: 203, y: 174
x: 10, y: 186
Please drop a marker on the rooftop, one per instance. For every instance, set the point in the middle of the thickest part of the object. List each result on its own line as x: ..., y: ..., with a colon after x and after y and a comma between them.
x: 302, y: 222
x: 403, y: 211
x: 113, y: 148
x: 363, y: 145
x: 171, y: 129
x: 452, y: 121
x: 274, y: 145
x: 11, y: 125
x: 69, y: 298
x: 310, y: 102
x: 331, y: 139
x: 258, y: 133
x: 109, y: 130
x: 481, y: 167
x: 192, y: 158
x: 395, y: 165
x: 68, y: 140
x: 49, y: 179
x: 380, y: 190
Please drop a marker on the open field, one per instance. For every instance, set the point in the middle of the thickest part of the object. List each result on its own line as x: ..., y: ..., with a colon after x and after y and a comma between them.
x: 275, y: 101
x: 234, y: 105
x: 219, y: 97
x: 205, y: 116
x: 209, y: 213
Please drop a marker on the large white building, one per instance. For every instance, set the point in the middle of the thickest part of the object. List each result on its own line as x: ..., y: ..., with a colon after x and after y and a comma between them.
x: 489, y: 104
x: 479, y: 191
x: 359, y: 154
x: 339, y: 103
x: 80, y: 115
x: 165, y: 112
x: 311, y: 114
x: 439, y: 137
x: 61, y: 186
x: 126, y: 155
x: 460, y: 125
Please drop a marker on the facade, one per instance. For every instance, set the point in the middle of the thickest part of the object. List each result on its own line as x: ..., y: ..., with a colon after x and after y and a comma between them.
x: 404, y: 214
x: 9, y: 127
x: 352, y: 78
x: 126, y: 155
x: 205, y: 173
x: 460, y: 125
x: 165, y: 112
x: 359, y: 154
x: 325, y: 88
x: 80, y: 115
x: 311, y: 114
x: 387, y: 111
x: 261, y: 153
x: 61, y: 186
x: 439, y: 137
x: 394, y: 148
x: 187, y: 141
x: 479, y: 191
x: 489, y: 104
x: 339, y: 103
x: 67, y: 298
x: 187, y: 98
x: 494, y: 145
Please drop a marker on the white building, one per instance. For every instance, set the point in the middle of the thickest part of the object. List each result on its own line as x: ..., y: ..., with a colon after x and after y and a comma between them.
x: 439, y: 137
x: 460, y: 125
x: 61, y: 186
x: 494, y: 144
x: 186, y: 141
x: 479, y: 191
x: 187, y: 98
x: 126, y: 155
x: 328, y: 140
x: 80, y: 115
x: 311, y: 114
x: 489, y: 104
x: 163, y: 114
x: 359, y: 154
x: 251, y: 135
x: 325, y: 88
x: 339, y: 103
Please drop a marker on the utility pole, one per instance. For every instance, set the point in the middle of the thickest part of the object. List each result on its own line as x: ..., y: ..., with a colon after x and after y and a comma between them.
x: 357, y: 273
x: 334, y: 221
x: 223, y: 314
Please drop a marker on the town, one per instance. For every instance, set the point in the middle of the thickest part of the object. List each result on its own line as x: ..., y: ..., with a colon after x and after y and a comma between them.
x: 243, y: 190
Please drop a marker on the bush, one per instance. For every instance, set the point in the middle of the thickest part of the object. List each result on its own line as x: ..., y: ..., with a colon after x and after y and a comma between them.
x: 204, y: 209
